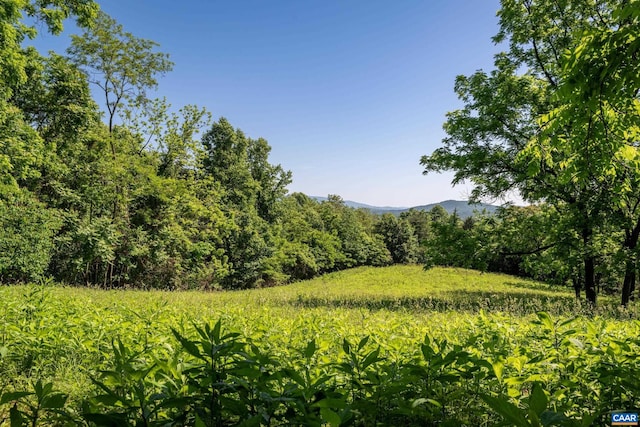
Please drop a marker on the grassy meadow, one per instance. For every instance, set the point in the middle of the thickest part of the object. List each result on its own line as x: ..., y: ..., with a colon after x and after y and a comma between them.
x: 369, y: 346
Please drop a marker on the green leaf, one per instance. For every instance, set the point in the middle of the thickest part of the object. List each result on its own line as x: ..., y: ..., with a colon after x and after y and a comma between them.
x: 506, y: 409
x: 363, y: 342
x: 538, y: 399
x: 568, y: 321
x: 295, y: 376
x: 16, y: 418
x: 330, y: 416
x: 216, y: 331
x: 310, y: 350
x: 371, y: 358
x: 230, y: 336
x: 545, y: 319
x: 14, y: 395
x: 422, y: 401
x: 38, y: 389
x: 346, y: 346
x: 54, y: 401
x: 498, y: 368
x: 188, y: 345
x: 576, y: 342
x: 427, y: 351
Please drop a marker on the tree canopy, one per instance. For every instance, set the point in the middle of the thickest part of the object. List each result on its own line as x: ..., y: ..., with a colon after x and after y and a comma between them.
x: 554, y: 121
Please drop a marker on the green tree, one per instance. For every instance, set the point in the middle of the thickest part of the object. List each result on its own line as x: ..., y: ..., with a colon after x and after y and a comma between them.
x: 252, y: 191
x: 21, y: 150
x: 272, y: 179
x: 172, y: 135
x: 488, y: 140
x: 533, y: 241
x: 226, y: 159
x: 241, y: 165
x: 592, y: 136
x: 14, y: 31
x: 55, y: 100
x: 399, y: 238
x: 28, y: 227
x: 452, y: 244
x: 306, y: 248
x: 178, y: 147
x: 124, y: 68
x: 420, y: 221
x: 359, y: 244
x: 121, y: 65
x: 27, y: 230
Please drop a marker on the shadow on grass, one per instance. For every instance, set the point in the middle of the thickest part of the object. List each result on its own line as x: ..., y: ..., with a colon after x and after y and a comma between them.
x: 538, y: 286
x: 513, y: 302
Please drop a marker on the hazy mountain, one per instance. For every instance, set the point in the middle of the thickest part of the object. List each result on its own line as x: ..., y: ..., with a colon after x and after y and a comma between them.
x: 464, y: 209
x: 358, y: 205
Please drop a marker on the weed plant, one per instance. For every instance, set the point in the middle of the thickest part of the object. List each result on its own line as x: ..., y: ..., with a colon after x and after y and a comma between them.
x: 385, y: 346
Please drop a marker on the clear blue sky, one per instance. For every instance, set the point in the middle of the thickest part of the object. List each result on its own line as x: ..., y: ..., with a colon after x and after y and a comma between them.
x: 349, y: 93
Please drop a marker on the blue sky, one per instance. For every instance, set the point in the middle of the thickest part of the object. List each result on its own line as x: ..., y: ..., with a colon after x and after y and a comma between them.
x: 349, y: 93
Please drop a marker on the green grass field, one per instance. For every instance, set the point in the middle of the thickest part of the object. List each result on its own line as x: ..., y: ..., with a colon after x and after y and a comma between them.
x: 369, y: 346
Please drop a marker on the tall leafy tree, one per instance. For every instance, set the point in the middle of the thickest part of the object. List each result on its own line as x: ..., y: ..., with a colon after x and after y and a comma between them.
x: 121, y: 65
x: 14, y: 31
x: 252, y: 192
x: 241, y: 165
x: 592, y: 136
x: 20, y: 145
x: 55, y: 100
x: 226, y: 159
x: 488, y: 139
x: 124, y: 68
x: 399, y: 238
x: 28, y: 225
x: 272, y: 180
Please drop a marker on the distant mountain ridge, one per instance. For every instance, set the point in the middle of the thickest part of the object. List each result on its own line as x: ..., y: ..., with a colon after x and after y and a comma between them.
x: 464, y: 209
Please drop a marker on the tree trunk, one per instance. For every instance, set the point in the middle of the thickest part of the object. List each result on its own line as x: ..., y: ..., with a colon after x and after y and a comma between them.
x: 629, y: 283
x: 589, y: 279
x: 576, y: 286
x: 589, y: 265
x: 630, y: 243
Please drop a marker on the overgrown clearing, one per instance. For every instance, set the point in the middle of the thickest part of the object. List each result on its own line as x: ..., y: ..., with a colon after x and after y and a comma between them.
x: 390, y: 346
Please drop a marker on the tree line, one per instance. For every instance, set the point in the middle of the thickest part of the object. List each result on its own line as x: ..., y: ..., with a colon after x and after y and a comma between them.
x: 134, y: 193
x: 142, y: 195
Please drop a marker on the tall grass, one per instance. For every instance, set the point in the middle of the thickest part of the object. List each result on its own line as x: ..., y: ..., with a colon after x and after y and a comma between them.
x: 371, y: 345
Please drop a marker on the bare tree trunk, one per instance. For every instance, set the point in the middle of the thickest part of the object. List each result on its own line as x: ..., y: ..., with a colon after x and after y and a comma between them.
x: 589, y: 279
x: 589, y: 266
x: 629, y: 283
x: 577, y: 286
